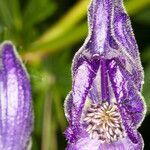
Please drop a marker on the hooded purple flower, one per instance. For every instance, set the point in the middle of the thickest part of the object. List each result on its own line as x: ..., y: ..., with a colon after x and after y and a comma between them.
x: 15, y: 101
x: 105, y: 106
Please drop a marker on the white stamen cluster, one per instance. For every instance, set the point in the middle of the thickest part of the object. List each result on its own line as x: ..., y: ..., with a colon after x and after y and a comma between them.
x: 104, y: 122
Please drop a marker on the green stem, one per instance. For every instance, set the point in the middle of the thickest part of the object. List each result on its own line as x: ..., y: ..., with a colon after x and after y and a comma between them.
x: 59, y: 111
x: 47, y: 124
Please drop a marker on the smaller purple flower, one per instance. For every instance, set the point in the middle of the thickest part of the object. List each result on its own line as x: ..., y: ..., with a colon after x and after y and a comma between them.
x: 15, y: 101
x: 105, y: 106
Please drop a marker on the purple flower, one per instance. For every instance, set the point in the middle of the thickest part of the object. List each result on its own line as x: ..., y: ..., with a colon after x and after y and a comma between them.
x: 15, y: 101
x: 105, y: 106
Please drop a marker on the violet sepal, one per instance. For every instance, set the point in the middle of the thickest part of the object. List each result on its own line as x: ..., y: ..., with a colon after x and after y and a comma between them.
x: 105, y: 106
x: 16, y: 116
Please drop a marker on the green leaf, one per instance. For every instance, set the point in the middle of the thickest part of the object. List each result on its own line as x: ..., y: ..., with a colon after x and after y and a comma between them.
x: 134, y: 6
x: 62, y: 42
x: 5, y: 14
x: 143, y: 17
x: 14, y: 7
x: 10, y: 14
x: 146, y: 55
x: 37, y: 11
x: 67, y: 22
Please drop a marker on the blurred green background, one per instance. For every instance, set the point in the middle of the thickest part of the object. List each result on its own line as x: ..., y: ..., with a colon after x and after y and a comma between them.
x: 47, y: 33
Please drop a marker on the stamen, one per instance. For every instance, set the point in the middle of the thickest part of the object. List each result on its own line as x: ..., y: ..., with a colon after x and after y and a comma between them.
x: 104, y: 122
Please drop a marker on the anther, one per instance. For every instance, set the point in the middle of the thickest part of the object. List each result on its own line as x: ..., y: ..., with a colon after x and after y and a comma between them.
x: 104, y: 122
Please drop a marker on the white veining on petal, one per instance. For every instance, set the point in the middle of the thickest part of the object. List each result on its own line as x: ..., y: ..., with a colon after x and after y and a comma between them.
x: 3, y: 103
x: 95, y: 90
x: 12, y: 94
x: 81, y: 82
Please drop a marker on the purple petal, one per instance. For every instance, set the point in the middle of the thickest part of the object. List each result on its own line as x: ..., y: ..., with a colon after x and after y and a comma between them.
x: 108, y: 72
x: 84, y: 72
x: 123, y: 31
x: 123, y: 144
x: 82, y: 82
x: 84, y: 144
x: 15, y: 100
x: 111, y: 35
x: 100, y: 86
x: 125, y: 91
x: 93, y: 144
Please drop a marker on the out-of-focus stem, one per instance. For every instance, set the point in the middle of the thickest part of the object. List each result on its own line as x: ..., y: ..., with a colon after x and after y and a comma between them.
x: 53, y: 138
x: 59, y: 112
x: 47, y: 125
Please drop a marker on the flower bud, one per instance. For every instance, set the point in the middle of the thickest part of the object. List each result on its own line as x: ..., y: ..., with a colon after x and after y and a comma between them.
x: 16, y: 116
